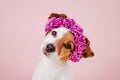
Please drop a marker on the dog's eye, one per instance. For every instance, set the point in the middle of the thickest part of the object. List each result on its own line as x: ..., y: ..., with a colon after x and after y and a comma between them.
x: 54, y: 33
x: 67, y: 46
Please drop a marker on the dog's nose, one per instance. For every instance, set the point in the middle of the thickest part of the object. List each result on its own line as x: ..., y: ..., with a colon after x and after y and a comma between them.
x: 50, y: 48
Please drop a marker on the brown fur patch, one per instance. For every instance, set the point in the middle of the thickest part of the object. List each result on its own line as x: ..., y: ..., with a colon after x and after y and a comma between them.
x: 62, y: 51
x: 88, y: 51
x: 57, y: 15
x: 46, y: 34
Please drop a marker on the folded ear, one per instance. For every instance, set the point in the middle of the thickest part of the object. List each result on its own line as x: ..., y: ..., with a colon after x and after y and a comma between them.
x: 88, y: 51
x: 57, y: 15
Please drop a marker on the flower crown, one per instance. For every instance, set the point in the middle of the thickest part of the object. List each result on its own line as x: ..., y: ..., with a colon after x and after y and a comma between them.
x: 79, y: 38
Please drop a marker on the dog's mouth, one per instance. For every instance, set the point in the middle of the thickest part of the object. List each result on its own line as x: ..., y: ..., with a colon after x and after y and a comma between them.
x: 45, y: 53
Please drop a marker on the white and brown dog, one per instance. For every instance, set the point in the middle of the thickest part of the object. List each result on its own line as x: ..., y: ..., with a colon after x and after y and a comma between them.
x: 57, y: 47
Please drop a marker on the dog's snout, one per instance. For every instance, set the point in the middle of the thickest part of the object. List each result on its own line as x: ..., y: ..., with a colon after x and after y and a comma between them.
x: 50, y: 48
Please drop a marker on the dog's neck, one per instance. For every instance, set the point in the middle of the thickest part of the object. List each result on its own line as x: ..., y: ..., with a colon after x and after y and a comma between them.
x: 48, y: 69
x: 53, y: 63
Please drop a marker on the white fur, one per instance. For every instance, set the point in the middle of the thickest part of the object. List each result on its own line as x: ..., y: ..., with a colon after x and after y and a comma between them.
x: 50, y: 67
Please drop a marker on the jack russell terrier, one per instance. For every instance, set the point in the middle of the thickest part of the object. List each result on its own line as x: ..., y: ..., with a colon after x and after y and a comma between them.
x: 64, y: 40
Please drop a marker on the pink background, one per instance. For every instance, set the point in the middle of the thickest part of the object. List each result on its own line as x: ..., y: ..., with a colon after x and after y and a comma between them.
x: 22, y: 32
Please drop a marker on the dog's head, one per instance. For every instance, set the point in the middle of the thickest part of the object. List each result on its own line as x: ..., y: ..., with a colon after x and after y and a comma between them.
x: 59, y: 43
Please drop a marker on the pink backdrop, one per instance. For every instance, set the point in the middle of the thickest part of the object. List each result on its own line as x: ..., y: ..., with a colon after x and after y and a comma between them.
x: 22, y: 32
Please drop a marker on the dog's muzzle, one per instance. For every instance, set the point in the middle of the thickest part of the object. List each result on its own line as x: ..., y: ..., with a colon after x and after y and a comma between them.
x: 50, y: 48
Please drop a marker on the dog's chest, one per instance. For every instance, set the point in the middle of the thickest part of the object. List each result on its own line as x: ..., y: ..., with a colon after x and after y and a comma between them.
x: 46, y: 71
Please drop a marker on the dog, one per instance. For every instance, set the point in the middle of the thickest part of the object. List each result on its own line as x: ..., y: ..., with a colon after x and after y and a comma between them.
x: 57, y: 46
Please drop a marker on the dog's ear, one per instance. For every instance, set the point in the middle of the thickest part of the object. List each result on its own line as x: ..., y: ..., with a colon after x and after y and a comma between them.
x: 57, y: 15
x: 88, y: 51
x: 46, y: 33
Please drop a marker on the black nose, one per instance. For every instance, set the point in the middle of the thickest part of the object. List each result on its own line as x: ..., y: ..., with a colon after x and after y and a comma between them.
x: 50, y: 48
